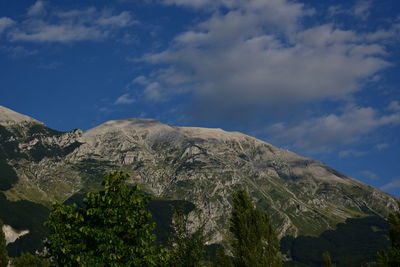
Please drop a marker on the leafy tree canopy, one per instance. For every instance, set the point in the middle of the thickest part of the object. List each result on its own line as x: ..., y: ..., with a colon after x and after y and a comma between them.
x: 29, y: 260
x: 112, y: 229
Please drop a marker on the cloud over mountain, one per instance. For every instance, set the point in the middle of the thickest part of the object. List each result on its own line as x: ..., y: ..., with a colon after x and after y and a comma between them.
x: 259, y: 53
x: 322, y: 134
x: 44, y: 24
x: 5, y: 23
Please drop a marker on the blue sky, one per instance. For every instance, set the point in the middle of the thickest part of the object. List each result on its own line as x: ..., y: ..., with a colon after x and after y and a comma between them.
x: 320, y: 78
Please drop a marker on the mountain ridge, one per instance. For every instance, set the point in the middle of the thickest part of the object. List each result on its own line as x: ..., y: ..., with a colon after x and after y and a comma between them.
x: 201, y: 165
x: 8, y: 116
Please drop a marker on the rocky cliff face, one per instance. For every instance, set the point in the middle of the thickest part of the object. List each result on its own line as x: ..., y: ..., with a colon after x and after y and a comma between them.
x: 203, y: 166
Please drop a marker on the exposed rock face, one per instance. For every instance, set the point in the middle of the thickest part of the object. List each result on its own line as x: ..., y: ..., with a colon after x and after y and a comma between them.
x: 203, y: 166
x: 11, y: 234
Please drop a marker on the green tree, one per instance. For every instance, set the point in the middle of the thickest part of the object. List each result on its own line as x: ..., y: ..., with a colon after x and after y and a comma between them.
x: 391, y: 257
x: 255, y: 242
x: 112, y: 229
x: 186, y: 248
x: 3, y: 249
x: 326, y: 257
x: 29, y: 260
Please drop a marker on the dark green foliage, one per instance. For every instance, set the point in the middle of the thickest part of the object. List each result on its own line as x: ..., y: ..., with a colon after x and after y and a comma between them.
x: 211, y: 251
x: 8, y: 145
x: 222, y: 260
x: 162, y: 211
x: 23, y: 215
x: 327, y: 261
x: 112, y: 229
x: 3, y: 250
x: 391, y: 256
x: 255, y: 242
x: 394, y: 229
x: 351, y: 244
x: 8, y: 177
x: 185, y: 248
x: 29, y: 260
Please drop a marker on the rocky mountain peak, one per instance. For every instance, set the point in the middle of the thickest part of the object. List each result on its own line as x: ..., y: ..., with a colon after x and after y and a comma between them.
x: 8, y: 116
x: 125, y: 124
x: 210, y: 133
x: 127, y: 127
x: 155, y: 129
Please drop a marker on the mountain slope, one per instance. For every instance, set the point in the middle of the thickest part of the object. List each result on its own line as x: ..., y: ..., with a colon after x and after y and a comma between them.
x: 8, y: 116
x: 204, y: 166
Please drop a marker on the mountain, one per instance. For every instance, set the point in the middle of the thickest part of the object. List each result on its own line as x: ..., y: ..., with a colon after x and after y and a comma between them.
x: 200, y: 165
x: 8, y: 116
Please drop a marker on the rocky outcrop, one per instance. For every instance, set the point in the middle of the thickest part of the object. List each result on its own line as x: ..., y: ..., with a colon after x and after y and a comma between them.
x: 11, y: 234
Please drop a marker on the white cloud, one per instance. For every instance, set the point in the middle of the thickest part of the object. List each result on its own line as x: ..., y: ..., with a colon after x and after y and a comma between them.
x: 124, y: 19
x: 330, y: 132
x: 208, y: 4
x: 153, y: 92
x: 257, y: 54
x: 394, y: 106
x: 142, y: 80
x: 50, y: 66
x: 335, y: 10
x: 5, y: 23
x: 351, y: 153
x: 124, y: 99
x: 59, y: 33
x: 384, y: 34
x: 382, y: 146
x: 394, y: 184
x: 18, y: 51
x: 369, y: 175
x: 37, y: 9
x: 70, y: 25
x: 362, y: 9
x: 129, y: 39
